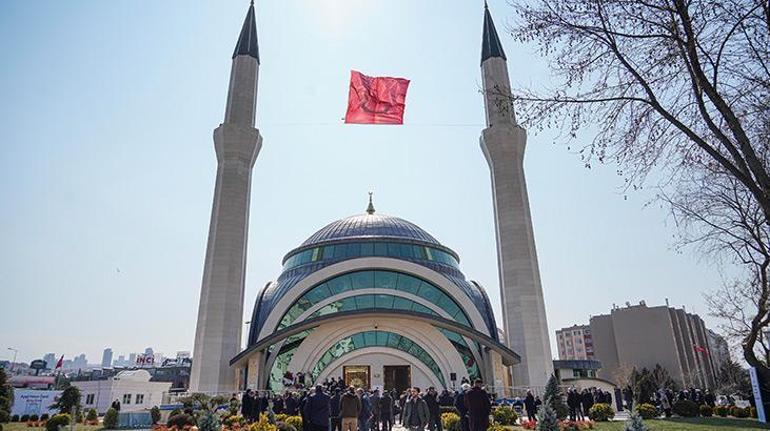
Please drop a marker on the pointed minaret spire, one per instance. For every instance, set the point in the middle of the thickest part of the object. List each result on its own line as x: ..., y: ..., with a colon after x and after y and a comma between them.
x: 496, y: 85
x: 247, y: 41
x: 370, y: 208
x: 491, y: 46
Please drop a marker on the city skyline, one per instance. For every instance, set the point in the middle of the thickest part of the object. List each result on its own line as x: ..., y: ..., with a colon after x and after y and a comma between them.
x: 142, y: 229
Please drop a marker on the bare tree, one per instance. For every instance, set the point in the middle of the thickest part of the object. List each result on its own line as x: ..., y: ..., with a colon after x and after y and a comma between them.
x: 720, y: 217
x: 679, y: 87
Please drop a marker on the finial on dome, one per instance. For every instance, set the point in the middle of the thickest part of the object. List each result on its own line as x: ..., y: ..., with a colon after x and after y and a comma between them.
x: 370, y: 208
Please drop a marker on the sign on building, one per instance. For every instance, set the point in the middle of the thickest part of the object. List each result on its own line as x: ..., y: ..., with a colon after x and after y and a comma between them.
x: 32, y: 402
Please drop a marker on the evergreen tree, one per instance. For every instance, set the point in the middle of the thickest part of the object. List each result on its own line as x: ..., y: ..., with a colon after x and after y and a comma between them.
x: 6, y: 395
x: 546, y: 418
x: 68, y: 401
x: 635, y: 423
x: 553, y: 397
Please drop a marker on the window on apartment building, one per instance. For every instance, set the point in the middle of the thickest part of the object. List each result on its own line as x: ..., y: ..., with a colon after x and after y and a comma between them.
x: 126, y: 398
x: 580, y: 341
x: 139, y: 398
x: 89, y: 399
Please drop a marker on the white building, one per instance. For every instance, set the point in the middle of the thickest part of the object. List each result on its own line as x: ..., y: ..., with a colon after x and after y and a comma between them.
x: 132, y: 388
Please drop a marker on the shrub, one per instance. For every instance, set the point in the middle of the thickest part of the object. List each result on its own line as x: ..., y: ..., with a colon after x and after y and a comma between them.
x: 91, y: 415
x: 263, y: 424
x: 34, y: 418
x: 722, y: 411
x: 496, y: 427
x: 180, y: 420
x: 208, y: 421
x: 281, y: 417
x: 175, y: 412
x: 155, y: 414
x: 647, y: 411
x: 706, y: 411
x: 686, y: 409
x: 505, y: 415
x: 450, y: 421
x: 753, y: 412
x: 283, y: 426
x: 24, y: 418
x: 44, y: 417
x: 740, y: 413
x: 4, y: 417
x: 295, y: 421
x: 15, y: 418
x: 57, y: 421
x: 601, y: 412
x: 110, y: 419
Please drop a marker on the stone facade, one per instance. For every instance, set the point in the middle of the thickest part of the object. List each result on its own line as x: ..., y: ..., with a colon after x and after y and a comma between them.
x: 220, y: 312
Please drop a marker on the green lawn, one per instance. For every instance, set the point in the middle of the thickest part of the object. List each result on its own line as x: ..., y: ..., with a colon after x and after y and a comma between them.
x: 20, y: 426
x: 695, y: 424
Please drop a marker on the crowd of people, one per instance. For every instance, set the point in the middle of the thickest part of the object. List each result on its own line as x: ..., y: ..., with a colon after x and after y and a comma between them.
x: 332, y: 406
x: 664, y: 399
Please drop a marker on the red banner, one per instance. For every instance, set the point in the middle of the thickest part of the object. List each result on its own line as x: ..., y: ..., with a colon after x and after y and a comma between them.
x: 376, y: 100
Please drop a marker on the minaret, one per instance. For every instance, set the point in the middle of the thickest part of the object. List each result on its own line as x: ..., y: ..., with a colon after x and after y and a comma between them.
x: 503, y: 143
x: 237, y: 144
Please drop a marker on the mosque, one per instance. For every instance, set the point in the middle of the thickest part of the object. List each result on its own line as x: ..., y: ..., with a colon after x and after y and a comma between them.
x: 371, y: 298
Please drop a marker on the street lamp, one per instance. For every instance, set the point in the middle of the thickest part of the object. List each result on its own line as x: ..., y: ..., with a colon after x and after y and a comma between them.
x: 15, y: 352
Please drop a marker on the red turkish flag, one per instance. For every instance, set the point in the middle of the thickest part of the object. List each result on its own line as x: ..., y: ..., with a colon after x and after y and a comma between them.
x: 377, y: 100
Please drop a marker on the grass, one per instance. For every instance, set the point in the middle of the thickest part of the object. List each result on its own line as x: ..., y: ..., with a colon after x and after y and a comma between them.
x: 693, y: 424
x: 22, y: 426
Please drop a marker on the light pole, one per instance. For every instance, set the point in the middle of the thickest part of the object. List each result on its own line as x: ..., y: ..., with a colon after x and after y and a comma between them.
x: 15, y: 352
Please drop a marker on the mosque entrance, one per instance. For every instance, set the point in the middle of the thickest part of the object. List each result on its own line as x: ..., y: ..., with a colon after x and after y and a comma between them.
x: 398, y: 377
x: 356, y: 375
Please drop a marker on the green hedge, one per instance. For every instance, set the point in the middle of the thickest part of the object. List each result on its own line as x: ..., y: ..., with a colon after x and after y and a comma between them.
x: 686, y: 409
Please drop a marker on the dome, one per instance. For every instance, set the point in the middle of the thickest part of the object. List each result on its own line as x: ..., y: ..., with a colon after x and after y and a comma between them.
x: 134, y: 375
x: 365, y: 226
x: 366, y: 235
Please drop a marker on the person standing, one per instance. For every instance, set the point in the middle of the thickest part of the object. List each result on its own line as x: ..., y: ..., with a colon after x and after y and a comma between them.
x: 350, y: 409
x: 116, y: 405
x: 247, y: 404
x: 586, y: 401
x: 572, y: 403
x: 460, y: 406
x: 401, y: 403
x: 290, y: 404
x: 431, y: 399
x: 334, y: 410
x: 479, y: 407
x: 365, y: 415
x: 415, y: 415
x: 529, y: 406
x: 375, y: 401
x: 386, y: 411
x: 317, y: 410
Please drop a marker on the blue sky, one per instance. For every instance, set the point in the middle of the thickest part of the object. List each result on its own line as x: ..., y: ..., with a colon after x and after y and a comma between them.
x: 107, y: 163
